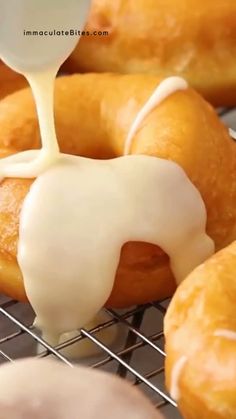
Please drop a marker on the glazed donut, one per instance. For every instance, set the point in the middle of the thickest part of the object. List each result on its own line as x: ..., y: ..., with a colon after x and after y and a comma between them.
x: 10, y: 81
x: 93, y: 115
x: 194, y: 39
x: 61, y: 392
x: 200, y: 332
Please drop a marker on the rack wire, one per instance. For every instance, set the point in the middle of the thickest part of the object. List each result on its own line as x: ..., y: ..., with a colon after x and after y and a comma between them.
x: 137, y: 355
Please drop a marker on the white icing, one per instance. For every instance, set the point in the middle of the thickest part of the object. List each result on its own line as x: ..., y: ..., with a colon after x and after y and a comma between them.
x: 232, y: 133
x: 176, y: 372
x: 79, y: 212
x: 228, y: 334
x: 38, y: 161
x: 112, y: 337
x: 166, y: 88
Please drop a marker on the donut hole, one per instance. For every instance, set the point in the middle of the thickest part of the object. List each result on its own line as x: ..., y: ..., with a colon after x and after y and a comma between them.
x: 142, y: 263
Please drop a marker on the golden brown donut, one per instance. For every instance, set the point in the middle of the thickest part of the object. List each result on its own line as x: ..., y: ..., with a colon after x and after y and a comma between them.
x: 46, y: 389
x: 93, y: 115
x: 203, y: 305
x: 10, y: 81
x: 192, y: 38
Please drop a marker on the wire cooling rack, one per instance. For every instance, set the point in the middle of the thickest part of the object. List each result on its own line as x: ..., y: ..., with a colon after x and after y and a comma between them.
x: 137, y: 355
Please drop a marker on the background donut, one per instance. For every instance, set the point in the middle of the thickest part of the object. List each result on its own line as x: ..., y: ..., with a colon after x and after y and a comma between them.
x: 191, y: 38
x: 61, y: 392
x: 202, y: 307
x: 10, y: 81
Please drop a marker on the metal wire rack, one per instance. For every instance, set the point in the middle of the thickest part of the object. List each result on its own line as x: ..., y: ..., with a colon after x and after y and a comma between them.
x: 138, y: 355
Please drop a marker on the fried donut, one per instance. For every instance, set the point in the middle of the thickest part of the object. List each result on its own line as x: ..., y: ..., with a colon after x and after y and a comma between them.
x: 10, y: 81
x: 93, y: 115
x: 194, y: 39
x: 200, y: 332
x: 61, y: 392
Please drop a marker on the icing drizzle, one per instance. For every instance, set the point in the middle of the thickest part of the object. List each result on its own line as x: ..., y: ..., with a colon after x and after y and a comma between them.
x: 176, y: 372
x: 225, y: 333
x: 166, y: 88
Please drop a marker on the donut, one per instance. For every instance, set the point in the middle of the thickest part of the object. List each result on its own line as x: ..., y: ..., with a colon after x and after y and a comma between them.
x: 61, y: 392
x: 200, y: 332
x: 10, y: 81
x: 93, y: 114
x: 194, y: 39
